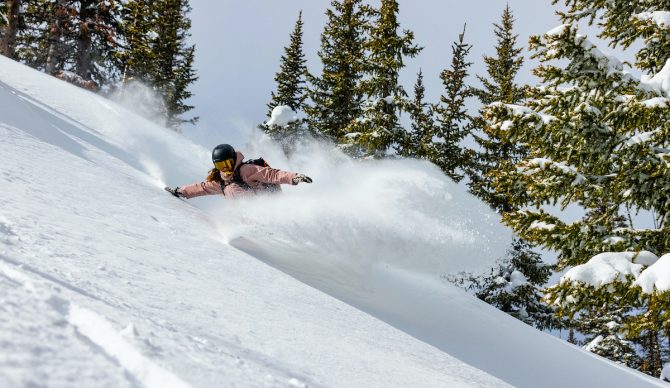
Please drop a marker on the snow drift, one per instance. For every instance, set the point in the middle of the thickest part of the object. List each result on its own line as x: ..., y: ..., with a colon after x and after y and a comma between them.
x: 107, y: 280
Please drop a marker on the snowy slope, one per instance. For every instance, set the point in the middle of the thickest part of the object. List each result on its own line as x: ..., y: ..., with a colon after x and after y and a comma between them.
x: 106, y: 280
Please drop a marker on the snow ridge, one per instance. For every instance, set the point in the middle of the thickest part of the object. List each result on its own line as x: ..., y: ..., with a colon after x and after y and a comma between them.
x: 100, y: 331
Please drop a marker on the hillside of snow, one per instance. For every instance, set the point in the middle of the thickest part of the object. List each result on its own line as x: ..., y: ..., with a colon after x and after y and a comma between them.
x: 107, y: 280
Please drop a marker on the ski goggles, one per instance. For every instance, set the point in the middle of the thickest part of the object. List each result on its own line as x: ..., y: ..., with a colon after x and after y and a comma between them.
x: 225, y: 166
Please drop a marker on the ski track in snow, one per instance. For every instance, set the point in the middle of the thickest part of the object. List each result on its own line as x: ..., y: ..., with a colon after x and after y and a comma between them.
x: 93, y: 330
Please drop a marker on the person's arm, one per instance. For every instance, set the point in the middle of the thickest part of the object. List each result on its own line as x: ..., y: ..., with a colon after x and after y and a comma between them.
x: 200, y: 189
x: 256, y: 174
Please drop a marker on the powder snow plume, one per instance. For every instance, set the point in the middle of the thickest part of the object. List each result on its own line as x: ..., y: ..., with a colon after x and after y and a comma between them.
x: 404, y: 213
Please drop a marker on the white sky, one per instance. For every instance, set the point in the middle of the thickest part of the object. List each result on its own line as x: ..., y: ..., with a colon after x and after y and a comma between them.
x: 239, y: 45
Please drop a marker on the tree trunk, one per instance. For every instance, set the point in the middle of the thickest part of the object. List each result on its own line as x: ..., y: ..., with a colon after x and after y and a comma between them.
x: 657, y: 355
x: 56, y: 32
x: 8, y: 37
x: 84, y: 40
x: 653, y: 363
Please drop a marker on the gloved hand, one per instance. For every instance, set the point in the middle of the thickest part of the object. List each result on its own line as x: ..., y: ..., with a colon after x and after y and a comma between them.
x: 175, y: 192
x: 299, y: 178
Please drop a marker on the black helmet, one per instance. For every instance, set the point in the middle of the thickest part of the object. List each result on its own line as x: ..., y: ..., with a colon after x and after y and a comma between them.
x: 223, y: 152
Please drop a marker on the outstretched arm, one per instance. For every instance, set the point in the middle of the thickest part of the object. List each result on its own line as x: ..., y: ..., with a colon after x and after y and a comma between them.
x: 196, y: 189
x: 252, y: 174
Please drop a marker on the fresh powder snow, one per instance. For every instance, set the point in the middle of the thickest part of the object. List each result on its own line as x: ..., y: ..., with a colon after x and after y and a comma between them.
x: 107, y: 280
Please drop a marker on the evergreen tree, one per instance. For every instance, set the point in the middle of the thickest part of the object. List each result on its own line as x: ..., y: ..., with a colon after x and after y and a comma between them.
x: 174, y: 60
x: 514, y: 287
x: 95, y: 40
x: 156, y: 54
x: 495, y: 154
x: 379, y: 128
x: 598, y: 139
x: 453, y: 122
x: 336, y: 95
x: 606, y: 315
x: 291, y: 91
x: 60, y: 27
x: 46, y: 34
x: 290, y: 79
x: 9, y: 25
x: 604, y: 327
x: 78, y: 36
x: 498, y: 86
x: 138, y: 56
x: 423, y: 124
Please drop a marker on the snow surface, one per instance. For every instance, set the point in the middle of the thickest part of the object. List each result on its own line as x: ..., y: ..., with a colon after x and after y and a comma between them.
x: 282, y: 116
x: 106, y: 280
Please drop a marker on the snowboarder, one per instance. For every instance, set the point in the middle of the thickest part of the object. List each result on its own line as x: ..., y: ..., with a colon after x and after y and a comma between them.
x: 233, y: 177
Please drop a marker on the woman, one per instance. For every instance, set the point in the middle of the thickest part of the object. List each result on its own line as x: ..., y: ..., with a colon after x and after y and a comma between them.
x: 233, y: 177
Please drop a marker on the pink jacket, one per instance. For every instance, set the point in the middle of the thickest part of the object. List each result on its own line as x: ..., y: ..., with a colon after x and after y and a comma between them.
x: 252, y: 175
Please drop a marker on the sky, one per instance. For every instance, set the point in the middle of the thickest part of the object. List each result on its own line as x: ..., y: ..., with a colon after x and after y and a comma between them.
x: 239, y: 45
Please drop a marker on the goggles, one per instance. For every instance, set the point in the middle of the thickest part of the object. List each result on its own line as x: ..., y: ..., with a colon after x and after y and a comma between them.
x: 225, y: 166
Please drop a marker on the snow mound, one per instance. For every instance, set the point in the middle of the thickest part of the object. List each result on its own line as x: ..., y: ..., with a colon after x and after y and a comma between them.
x: 656, y: 277
x: 608, y: 267
x: 660, y: 18
x: 282, y: 116
x: 659, y: 82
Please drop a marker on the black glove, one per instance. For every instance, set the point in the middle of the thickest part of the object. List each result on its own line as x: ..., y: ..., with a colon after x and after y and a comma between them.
x: 299, y: 178
x: 175, y: 192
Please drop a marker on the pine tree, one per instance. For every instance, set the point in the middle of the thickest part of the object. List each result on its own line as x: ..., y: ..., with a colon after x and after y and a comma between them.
x: 291, y: 91
x: 605, y: 338
x: 379, y: 128
x: 498, y: 86
x: 495, y: 154
x: 95, y: 40
x: 336, y: 95
x: 514, y: 287
x: 598, y: 138
x: 9, y: 25
x: 156, y: 54
x: 290, y: 79
x: 586, y: 148
x: 78, y: 36
x: 138, y: 56
x: 60, y: 27
x: 174, y: 60
x: 42, y: 39
x: 423, y: 124
x: 453, y: 121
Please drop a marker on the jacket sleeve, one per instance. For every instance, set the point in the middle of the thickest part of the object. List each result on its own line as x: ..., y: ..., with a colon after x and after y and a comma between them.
x: 200, y: 189
x: 252, y: 174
